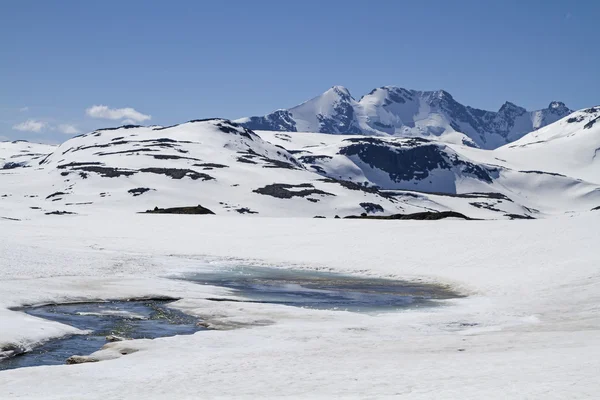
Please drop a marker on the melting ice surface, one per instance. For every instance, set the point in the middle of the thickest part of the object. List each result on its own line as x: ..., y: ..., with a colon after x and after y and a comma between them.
x: 130, y: 319
x: 321, y: 290
x: 152, y: 319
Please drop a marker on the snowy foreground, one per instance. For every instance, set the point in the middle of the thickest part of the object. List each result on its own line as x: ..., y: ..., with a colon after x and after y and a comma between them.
x: 529, y: 327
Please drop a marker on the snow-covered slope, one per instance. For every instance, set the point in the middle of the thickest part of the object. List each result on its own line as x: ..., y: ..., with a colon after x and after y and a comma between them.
x: 570, y: 147
x: 396, y: 111
x: 21, y: 153
x: 232, y: 170
x: 416, y: 164
x: 220, y: 165
x: 335, y: 111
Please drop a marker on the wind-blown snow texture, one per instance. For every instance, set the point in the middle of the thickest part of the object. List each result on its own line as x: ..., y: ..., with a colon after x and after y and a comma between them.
x: 395, y: 111
x: 230, y: 169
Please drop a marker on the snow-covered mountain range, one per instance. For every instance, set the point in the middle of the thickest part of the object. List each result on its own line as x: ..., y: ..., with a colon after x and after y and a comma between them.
x: 231, y: 169
x: 396, y: 111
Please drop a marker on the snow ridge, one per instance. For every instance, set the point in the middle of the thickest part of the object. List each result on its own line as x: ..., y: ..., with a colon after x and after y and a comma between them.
x: 395, y: 111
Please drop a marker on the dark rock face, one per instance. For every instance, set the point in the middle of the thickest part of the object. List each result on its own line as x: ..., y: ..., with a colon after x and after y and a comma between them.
x: 409, y: 160
x: 138, y: 191
x: 78, y: 164
x: 311, y: 159
x: 518, y: 216
x: 106, y: 172
x: 181, y: 210
x: 591, y: 123
x: 173, y: 157
x: 178, y: 173
x: 371, y: 208
x: 251, y: 157
x: 236, y: 129
x: 60, y: 213
x: 245, y: 210
x: 55, y: 194
x: 342, y: 122
x: 280, y: 120
x: 13, y: 165
x: 286, y: 191
x: 210, y: 165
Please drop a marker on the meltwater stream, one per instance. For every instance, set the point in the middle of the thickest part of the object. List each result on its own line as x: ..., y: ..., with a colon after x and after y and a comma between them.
x: 152, y: 319
x: 129, y: 319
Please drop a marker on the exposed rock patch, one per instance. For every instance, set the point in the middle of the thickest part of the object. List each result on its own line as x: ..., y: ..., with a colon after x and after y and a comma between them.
x: 182, y: 210
x: 287, y: 191
x: 422, y: 216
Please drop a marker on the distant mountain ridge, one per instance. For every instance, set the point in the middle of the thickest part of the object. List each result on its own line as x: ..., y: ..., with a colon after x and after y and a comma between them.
x: 232, y: 170
x: 396, y: 111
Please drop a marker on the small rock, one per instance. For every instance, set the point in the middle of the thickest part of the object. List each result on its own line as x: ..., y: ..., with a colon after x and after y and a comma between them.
x: 115, y: 338
x: 80, y: 360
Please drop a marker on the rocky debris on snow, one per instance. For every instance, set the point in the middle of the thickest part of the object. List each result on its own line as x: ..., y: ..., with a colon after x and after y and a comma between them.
x: 518, y: 216
x: 246, y: 210
x: 487, y: 206
x: 60, y: 213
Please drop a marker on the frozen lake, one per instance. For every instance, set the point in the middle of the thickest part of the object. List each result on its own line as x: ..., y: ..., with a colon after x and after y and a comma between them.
x: 322, y: 290
x: 153, y: 318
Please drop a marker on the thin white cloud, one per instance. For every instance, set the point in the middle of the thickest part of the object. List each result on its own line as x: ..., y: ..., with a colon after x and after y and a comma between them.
x: 24, y: 109
x: 105, y: 112
x: 30, y: 125
x: 68, y: 129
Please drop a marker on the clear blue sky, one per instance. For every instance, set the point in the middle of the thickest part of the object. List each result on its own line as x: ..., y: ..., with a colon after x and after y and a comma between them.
x: 181, y: 60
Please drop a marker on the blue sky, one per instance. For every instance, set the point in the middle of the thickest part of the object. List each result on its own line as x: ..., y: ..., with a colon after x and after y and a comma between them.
x: 174, y: 61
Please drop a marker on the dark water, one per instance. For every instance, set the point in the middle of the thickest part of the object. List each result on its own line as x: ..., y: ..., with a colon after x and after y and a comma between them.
x: 321, y: 290
x: 129, y: 319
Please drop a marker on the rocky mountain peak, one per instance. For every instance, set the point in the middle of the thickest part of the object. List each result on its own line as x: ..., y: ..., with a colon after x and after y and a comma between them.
x: 391, y: 110
x: 509, y: 108
x: 340, y: 91
x: 559, y: 107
